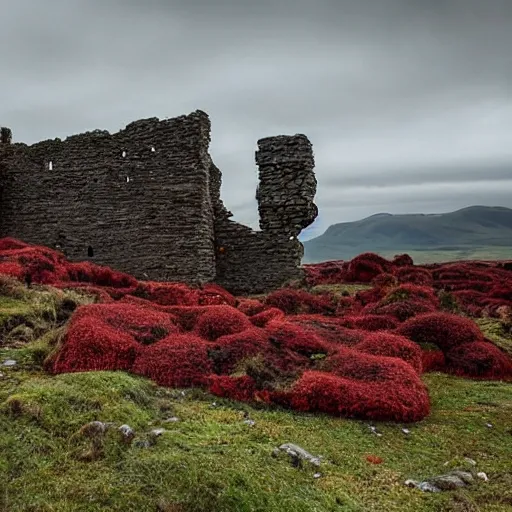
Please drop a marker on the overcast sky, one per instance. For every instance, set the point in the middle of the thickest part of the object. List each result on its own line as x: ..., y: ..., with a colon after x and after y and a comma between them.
x: 408, y: 103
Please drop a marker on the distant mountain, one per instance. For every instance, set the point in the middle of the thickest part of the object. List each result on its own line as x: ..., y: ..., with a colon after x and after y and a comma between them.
x: 476, y: 227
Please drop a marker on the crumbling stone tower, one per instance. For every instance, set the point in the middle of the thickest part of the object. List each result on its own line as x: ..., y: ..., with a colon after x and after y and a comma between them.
x: 146, y: 201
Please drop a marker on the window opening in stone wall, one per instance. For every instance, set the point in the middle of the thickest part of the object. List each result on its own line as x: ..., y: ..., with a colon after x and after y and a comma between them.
x: 124, y: 154
x: 153, y: 149
x: 127, y: 179
x: 50, y: 165
x: 90, y: 252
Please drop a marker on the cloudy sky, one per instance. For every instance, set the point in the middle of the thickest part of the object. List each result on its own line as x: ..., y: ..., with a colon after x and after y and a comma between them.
x: 408, y: 103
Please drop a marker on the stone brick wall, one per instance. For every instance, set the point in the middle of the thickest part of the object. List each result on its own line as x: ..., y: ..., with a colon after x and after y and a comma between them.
x: 139, y: 199
x: 146, y: 201
x: 257, y: 261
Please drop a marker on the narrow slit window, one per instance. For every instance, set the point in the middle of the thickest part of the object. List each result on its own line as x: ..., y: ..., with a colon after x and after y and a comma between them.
x: 153, y: 149
x: 123, y: 154
x: 50, y: 165
x: 127, y: 179
x: 90, y: 252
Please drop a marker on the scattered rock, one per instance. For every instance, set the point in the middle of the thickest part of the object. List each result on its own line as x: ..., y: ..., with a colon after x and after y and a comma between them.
x: 482, y: 476
x: 317, y: 475
x: 297, y: 454
x: 447, y: 482
x: 157, y: 432
x: 406, y: 431
x: 1, y: 375
x: 173, y: 419
x: 9, y: 363
x: 250, y: 422
x: 470, y: 461
x: 374, y: 430
x: 127, y: 433
x: 489, y: 425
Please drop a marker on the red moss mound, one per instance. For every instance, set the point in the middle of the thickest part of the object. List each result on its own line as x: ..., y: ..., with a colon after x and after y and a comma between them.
x: 481, y: 360
x: 338, y: 396
x: 392, y: 345
x: 294, y: 302
x: 442, y: 329
x: 263, y: 318
x: 433, y: 361
x: 329, y: 329
x: 8, y: 244
x: 414, y: 275
x: 328, y: 272
x: 365, y: 267
x: 369, y: 322
x: 176, y: 361
x: 412, y: 292
x: 219, y: 321
x: 168, y: 294
x: 212, y: 294
x: 143, y: 325
x: 385, y: 281
x: 402, y: 260
x: 228, y: 351
x: 241, y: 388
x: 402, y: 310
x: 13, y: 269
x: 251, y: 307
x: 86, y: 272
x: 90, y: 345
x: 285, y: 335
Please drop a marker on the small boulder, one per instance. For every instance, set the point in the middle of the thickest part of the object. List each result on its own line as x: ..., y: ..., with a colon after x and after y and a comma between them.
x: 297, y: 454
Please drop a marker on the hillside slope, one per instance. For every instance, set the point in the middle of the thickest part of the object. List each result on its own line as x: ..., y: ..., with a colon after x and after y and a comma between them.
x: 469, y: 229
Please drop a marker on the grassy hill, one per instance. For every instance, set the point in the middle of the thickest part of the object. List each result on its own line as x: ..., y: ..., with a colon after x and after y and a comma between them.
x: 477, y: 232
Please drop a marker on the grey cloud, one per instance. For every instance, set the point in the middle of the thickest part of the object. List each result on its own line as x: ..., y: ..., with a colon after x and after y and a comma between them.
x: 397, y: 96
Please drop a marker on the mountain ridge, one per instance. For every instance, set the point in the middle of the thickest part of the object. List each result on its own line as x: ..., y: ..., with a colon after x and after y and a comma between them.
x: 473, y: 227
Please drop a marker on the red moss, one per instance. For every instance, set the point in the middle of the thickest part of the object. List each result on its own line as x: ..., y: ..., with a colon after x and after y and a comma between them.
x: 373, y: 459
x: 480, y: 360
x: 285, y: 335
x: 241, y: 388
x: 212, y: 294
x: 251, y: 307
x: 412, y: 292
x: 228, y: 351
x: 384, y: 281
x: 86, y: 272
x: 392, y: 345
x: 329, y: 329
x: 442, y: 329
x: 168, y: 294
x: 338, y: 396
x: 402, y: 260
x: 219, y: 321
x: 433, y: 361
x: 13, y: 269
x: 176, y: 361
x: 369, y: 322
x: 263, y: 318
x: 90, y: 345
x: 414, y: 275
x: 293, y: 302
x: 402, y: 310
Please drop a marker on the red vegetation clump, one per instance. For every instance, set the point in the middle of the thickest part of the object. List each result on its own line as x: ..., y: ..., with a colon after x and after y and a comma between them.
x: 328, y: 272
x: 212, y: 294
x: 384, y: 281
x: 293, y: 302
x: 241, y: 388
x: 87, y: 272
x: 433, y: 361
x: 414, y: 275
x: 91, y: 345
x: 373, y: 459
x: 218, y: 321
x: 251, y: 307
x: 12, y: 268
x: 481, y: 360
x: 392, y: 345
x: 369, y: 322
x: 402, y: 260
x: 402, y: 310
x: 365, y: 267
x: 167, y: 294
x: 266, y: 316
x: 442, y: 329
x: 176, y: 361
x: 412, y: 292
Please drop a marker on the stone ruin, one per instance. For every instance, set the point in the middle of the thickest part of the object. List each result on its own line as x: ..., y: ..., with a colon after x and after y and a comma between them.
x: 146, y: 201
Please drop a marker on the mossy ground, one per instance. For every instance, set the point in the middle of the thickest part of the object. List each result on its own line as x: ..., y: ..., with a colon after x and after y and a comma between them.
x: 212, y: 460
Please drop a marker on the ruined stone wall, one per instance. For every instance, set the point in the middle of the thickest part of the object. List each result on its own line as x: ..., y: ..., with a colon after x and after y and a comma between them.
x: 138, y: 200
x: 146, y: 201
x: 258, y: 261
